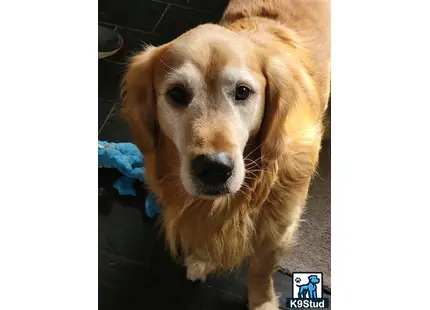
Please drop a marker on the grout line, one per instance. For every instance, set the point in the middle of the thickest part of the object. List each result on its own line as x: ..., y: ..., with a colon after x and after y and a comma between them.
x: 161, y: 17
x: 224, y: 291
x: 123, y: 259
x: 128, y: 28
x: 107, y: 117
x: 115, y: 62
x: 183, y: 6
x: 117, y: 110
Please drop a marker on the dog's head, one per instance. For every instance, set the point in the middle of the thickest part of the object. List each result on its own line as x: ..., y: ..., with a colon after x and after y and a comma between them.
x: 210, y: 91
x: 314, y: 279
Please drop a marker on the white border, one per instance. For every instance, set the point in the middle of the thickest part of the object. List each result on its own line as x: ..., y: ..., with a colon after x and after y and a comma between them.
x: 380, y: 153
x: 48, y: 128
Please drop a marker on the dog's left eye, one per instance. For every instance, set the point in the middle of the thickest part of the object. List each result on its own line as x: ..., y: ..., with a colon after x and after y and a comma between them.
x: 242, y: 92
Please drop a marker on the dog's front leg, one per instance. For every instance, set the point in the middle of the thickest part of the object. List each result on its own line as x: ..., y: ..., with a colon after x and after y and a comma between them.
x: 261, y: 293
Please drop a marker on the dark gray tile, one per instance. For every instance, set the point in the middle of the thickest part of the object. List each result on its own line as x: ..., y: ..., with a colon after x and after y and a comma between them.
x: 109, y: 26
x: 136, y: 14
x: 104, y: 109
x: 178, y: 20
x: 175, y: 2
x: 115, y: 129
x: 124, y: 236
x: 212, y: 6
x: 110, y: 75
x: 134, y: 42
x: 121, y: 284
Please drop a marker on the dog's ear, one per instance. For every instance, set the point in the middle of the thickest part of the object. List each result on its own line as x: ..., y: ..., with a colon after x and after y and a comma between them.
x: 291, y: 127
x: 138, y: 98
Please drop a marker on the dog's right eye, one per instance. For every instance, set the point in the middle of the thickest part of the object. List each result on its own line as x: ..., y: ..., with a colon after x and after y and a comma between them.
x: 179, y: 95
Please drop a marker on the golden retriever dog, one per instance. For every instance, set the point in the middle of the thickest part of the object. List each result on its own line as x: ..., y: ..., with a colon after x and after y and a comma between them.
x: 229, y: 118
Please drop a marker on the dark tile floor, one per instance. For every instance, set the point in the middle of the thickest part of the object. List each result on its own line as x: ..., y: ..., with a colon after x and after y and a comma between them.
x: 135, y: 271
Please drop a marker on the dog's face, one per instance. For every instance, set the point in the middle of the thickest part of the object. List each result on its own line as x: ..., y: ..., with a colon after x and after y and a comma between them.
x: 210, y: 100
x: 209, y: 94
x: 207, y: 91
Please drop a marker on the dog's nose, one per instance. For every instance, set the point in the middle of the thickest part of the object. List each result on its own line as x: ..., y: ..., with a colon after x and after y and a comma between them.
x: 213, y: 169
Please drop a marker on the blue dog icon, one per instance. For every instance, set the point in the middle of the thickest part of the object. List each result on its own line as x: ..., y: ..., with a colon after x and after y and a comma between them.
x: 309, y: 290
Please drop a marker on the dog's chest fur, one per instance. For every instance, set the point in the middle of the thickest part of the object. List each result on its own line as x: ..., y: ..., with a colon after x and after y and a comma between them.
x: 221, y: 230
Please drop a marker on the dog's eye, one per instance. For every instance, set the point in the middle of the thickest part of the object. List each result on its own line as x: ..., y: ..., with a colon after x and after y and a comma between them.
x: 242, y: 93
x: 179, y: 95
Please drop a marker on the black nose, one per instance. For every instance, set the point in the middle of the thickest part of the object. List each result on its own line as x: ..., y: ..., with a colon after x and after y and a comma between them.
x: 213, y: 169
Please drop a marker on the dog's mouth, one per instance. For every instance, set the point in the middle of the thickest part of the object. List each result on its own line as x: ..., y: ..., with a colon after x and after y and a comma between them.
x: 203, y: 190
x: 213, y: 192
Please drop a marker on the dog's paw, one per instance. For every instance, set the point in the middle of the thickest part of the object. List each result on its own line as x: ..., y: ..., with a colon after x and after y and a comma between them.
x: 197, y: 269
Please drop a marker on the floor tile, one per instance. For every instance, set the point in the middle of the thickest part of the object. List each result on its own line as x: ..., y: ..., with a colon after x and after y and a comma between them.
x: 104, y: 109
x: 122, y: 284
x: 109, y: 26
x: 171, y: 26
x: 115, y: 129
x: 122, y: 234
x: 216, y: 7
x: 134, y: 42
x: 213, y: 6
x: 136, y: 14
x: 110, y: 75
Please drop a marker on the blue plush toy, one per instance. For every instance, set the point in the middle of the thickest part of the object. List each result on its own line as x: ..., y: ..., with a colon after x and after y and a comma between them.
x: 127, y: 159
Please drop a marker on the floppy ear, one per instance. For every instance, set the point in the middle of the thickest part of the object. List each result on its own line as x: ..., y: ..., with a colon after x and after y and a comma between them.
x: 139, y: 106
x: 293, y: 115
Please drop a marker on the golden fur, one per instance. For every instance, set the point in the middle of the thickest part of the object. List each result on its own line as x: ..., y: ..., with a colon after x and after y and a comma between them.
x: 286, y: 46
